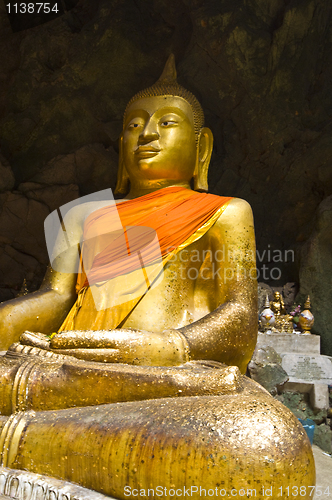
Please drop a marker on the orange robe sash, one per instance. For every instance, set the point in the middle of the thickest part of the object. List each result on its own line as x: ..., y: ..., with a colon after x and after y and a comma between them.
x: 118, y: 239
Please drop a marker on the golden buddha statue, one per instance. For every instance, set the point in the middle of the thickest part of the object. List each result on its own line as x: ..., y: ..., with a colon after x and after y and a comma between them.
x: 160, y: 412
x: 283, y: 321
x: 277, y: 304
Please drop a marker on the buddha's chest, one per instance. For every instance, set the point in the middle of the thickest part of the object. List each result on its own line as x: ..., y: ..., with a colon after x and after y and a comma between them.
x: 185, y: 293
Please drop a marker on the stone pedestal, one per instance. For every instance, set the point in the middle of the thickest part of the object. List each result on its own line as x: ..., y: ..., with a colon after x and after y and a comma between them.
x: 308, y: 371
x: 290, y: 342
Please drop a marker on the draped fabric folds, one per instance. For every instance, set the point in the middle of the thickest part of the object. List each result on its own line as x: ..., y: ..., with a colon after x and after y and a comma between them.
x: 125, y: 247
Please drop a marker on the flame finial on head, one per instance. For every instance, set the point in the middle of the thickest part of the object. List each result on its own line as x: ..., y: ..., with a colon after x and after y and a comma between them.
x: 169, y: 74
x: 167, y: 85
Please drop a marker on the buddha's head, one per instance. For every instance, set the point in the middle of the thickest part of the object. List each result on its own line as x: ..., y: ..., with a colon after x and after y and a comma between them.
x: 164, y: 141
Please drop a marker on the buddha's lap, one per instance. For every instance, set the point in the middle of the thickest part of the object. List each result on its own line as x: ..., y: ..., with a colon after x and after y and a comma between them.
x: 246, y: 440
x: 224, y: 431
x: 235, y: 440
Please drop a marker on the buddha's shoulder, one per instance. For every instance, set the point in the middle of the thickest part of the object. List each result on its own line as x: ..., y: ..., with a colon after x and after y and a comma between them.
x: 236, y: 211
x: 238, y: 206
x: 78, y: 213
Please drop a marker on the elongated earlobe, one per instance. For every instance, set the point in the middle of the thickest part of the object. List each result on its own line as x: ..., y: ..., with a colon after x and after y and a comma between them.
x: 204, y: 151
x: 122, y: 185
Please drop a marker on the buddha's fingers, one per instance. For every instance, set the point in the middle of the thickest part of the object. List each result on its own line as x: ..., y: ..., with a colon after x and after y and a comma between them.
x: 138, y: 347
x: 35, y: 339
x: 94, y: 339
x: 99, y: 355
x: 73, y: 339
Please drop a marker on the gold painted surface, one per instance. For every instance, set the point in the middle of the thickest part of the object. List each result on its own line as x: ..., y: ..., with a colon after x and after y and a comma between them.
x: 208, y: 441
x: 283, y: 321
x: 229, y: 434
x: 306, y: 319
x: 277, y: 304
x: 42, y: 383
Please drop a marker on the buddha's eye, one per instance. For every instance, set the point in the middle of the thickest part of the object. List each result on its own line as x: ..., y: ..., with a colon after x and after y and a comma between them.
x: 135, y: 123
x: 168, y: 123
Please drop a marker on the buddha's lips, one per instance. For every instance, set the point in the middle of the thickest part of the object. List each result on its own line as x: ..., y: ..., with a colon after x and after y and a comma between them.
x: 145, y: 152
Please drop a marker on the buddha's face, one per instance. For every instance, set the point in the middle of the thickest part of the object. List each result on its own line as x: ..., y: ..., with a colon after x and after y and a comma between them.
x: 159, y: 140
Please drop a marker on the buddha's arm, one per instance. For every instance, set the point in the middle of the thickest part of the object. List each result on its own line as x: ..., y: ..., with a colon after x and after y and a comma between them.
x: 41, y: 311
x: 44, y: 310
x: 229, y: 333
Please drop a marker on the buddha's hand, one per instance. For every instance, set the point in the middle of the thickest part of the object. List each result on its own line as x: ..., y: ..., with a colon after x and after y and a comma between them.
x: 137, y: 347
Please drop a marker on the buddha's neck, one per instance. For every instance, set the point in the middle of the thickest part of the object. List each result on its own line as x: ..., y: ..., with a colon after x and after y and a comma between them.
x: 138, y: 189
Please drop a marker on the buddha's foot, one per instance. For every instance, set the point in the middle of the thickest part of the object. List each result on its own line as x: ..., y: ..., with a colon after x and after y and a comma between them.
x: 37, y: 379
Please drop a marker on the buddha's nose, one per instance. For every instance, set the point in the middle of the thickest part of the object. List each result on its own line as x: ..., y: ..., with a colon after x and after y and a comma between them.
x: 150, y: 133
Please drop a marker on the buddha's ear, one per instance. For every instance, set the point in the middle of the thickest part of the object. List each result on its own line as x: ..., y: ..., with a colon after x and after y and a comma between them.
x: 204, y: 151
x: 123, y: 178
